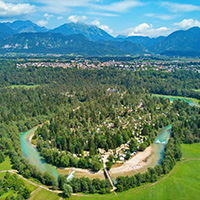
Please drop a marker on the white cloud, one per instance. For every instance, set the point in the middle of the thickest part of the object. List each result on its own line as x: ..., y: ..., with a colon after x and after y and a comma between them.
x: 103, y: 27
x: 106, y: 28
x: 121, y: 6
x: 178, y: 7
x: 96, y: 23
x: 11, y: 10
x: 42, y: 23
x: 76, y: 18
x: 60, y: 17
x: 64, y: 6
x: 103, y: 14
x: 163, y: 17
x: 187, y: 23
x: 47, y: 16
x: 147, y: 30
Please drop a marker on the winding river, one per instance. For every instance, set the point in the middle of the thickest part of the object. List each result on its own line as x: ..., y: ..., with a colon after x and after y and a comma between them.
x: 156, y: 157
x: 33, y: 156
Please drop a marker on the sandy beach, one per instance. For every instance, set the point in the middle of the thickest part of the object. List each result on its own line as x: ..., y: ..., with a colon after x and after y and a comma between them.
x: 82, y: 173
x: 139, y: 163
x: 31, y: 136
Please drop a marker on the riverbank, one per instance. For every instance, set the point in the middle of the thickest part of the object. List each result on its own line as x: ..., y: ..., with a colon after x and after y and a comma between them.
x: 137, y: 164
x: 30, y: 138
x: 32, y: 155
x: 82, y: 173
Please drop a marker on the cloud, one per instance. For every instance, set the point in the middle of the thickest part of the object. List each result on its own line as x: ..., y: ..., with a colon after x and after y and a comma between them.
x: 187, y: 23
x: 103, y: 27
x: 12, y: 10
x: 96, y: 23
x: 145, y: 29
x: 42, y: 23
x: 121, y: 6
x: 60, y: 17
x: 103, y: 14
x: 178, y: 7
x: 64, y: 6
x: 47, y: 16
x: 106, y: 28
x: 162, y: 17
x: 75, y: 18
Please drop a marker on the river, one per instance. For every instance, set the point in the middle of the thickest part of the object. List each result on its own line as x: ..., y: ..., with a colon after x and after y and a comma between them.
x: 190, y: 101
x: 33, y: 156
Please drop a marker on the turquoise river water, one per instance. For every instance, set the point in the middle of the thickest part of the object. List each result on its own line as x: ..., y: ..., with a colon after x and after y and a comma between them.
x: 33, y: 156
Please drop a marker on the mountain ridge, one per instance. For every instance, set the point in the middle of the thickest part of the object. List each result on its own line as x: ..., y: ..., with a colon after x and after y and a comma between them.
x: 21, y: 26
x: 178, y: 43
x: 92, y: 32
x: 58, y: 44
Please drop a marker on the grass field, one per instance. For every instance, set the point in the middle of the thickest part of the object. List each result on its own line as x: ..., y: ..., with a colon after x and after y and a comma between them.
x: 183, y: 182
x: 45, y: 195
x: 6, y: 165
x: 198, y: 90
x: 23, y: 86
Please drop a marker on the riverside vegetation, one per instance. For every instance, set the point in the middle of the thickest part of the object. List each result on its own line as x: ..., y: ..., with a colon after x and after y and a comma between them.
x: 86, y: 115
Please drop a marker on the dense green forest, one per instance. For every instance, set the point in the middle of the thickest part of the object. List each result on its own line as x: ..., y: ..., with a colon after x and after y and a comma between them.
x: 105, y: 121
x: 78, y: 102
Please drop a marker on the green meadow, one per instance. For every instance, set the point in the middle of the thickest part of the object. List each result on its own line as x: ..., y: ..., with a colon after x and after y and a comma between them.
x: 44, y: 195
x: 23, y: 86
x: 6, y: 165
x: 183, y: 182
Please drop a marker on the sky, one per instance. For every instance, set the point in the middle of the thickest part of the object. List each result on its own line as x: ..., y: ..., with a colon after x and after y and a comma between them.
x: 151, y: 18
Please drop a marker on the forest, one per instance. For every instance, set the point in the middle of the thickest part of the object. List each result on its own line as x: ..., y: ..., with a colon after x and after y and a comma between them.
x: 90, y: 110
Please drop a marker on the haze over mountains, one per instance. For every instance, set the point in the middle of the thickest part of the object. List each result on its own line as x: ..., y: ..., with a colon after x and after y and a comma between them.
x: 89, y: 40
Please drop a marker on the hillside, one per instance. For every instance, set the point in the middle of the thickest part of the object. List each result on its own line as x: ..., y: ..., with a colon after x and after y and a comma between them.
x: 127, y: 46
x: 5, y: 31
x: 25, y: 26
x: 180, y: 43
x: 55, y: 43
x: 145, y: 41
x: 90, y: 31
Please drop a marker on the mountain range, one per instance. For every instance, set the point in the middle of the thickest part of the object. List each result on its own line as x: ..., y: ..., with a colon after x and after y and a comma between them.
x: 90, y: 40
